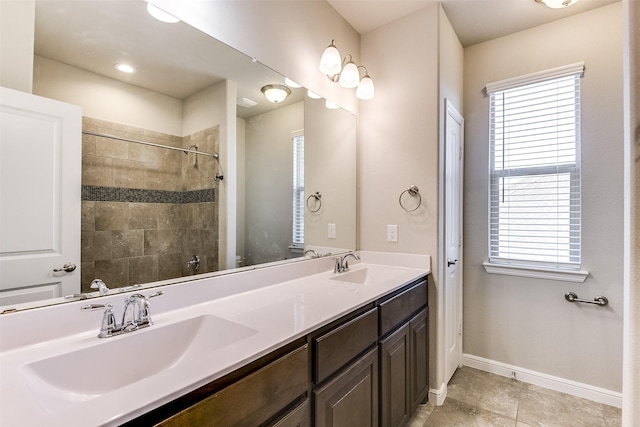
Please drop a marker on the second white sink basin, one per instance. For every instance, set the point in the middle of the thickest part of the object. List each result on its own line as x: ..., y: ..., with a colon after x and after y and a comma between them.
x: 368, y: 275
x: 71, y: 378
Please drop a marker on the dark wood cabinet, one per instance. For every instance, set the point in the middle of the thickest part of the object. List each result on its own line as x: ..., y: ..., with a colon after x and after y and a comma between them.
x: 300, y: 416
x: 351, y: 398
x: 395, y: 361
x: 419, y: 358
x: 254, y: 399
x: 368, y: 368
x: 404, y: 378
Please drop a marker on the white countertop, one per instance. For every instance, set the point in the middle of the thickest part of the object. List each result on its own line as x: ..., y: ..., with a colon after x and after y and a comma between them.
x: 271, y: 314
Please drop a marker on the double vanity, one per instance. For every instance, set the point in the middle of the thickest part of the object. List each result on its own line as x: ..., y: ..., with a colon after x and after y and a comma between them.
x: 293, y: 344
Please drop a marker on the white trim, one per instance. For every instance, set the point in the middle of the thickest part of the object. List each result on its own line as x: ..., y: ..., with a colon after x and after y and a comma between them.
x: 574, y: 388
x: 566, y: 70
x: 577, y: 276
x: 438, y: 396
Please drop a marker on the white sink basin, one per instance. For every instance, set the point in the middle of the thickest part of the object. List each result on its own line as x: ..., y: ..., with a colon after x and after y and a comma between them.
x: 368, y: 275
x: 75, y: 377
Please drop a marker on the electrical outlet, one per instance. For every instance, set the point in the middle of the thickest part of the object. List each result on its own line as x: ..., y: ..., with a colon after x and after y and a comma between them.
x: 331, y: 231
x: 392, y: 233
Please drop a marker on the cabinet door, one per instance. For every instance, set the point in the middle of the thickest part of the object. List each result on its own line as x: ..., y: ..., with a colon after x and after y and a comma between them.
x: 419, y: 339
x: 350, y: 399
x: 395, y: 374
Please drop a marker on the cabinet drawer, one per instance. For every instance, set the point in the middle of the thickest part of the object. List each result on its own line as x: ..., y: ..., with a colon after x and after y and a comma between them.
x: 254, y: 399
x: 400, y: 307
x: 337, y: 347
x: 298, y: 417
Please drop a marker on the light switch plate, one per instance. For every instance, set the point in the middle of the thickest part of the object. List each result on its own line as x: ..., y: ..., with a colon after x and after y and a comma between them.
x: 392, y: 233
x: 331, y: 231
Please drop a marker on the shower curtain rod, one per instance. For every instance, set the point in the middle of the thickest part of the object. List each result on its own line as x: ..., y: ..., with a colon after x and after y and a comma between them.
x: 184, y: 150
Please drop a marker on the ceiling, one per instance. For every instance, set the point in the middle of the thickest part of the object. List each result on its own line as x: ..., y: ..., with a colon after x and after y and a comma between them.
x: 474, y: 21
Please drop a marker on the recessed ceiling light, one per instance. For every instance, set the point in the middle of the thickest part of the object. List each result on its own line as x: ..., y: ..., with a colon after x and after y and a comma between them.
x: 125, y: 68
x: 161, y: 15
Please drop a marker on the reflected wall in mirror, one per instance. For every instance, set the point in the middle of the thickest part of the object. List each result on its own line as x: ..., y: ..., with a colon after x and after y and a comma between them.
x: 147, y: 211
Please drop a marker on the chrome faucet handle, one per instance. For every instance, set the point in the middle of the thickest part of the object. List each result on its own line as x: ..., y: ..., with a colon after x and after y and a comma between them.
x: 337, y: 267
x: 109, y: 327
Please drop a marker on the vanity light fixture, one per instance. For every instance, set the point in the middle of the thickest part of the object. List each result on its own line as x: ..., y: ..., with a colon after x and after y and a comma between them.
x: 125, y: 68
x: 161, y: 15
x: 276, y: 93
x: 331, y: 105
x: 311, y: 94
x: 557, y: 4
x: 291, y: 83
x: 346, y: 73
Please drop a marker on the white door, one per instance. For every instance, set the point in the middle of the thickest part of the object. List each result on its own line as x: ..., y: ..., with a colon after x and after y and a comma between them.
x: 453, y: 239
x: 40, y: 189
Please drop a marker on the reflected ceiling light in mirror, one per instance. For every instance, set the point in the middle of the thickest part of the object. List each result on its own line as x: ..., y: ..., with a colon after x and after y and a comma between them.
x: 291, y: 83
x: 276, y: 93
x: 125, y: 68
x: 161, y: 15
x: 557, y: 4
x: 311, y: 94
x: 330, y: 105
x: 346, y: 72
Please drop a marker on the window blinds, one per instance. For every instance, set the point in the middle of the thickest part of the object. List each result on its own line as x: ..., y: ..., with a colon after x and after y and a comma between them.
x: 298, y: 189
x: 534, y: 206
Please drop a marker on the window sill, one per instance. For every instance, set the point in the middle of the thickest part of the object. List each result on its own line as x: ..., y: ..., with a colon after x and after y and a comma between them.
x: 578, y: 276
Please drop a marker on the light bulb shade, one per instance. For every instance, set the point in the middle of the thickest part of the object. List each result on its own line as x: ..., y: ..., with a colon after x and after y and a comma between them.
x: 330, y: 62
x: 331, y: 105
x: 557, y: 4
x: 311, y: 94
x: 365, y: 88
x: 350, y: 77
x: 161, y: 15
x: 276, y: 93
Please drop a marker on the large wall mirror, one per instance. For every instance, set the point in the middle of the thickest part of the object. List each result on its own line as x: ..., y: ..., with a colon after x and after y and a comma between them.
x: 283, y: 183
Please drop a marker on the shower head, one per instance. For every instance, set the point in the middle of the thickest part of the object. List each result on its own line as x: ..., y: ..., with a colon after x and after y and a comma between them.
x: 189, y: 148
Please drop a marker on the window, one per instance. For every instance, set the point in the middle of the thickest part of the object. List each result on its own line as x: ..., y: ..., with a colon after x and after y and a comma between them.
x: 534, y: 182
x: 298, y: 189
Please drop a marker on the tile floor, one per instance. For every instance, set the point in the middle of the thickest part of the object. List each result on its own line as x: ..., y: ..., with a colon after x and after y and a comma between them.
x: 477, y: 398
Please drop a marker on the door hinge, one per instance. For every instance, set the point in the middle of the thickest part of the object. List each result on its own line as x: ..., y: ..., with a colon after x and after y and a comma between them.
x: 460, y: 329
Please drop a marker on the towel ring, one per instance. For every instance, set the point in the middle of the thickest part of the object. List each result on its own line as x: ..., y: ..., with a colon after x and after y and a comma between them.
x: 316, y: 196
x: 413, y: 192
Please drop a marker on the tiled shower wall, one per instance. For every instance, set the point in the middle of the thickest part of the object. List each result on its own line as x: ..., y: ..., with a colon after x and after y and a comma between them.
x: 146, y: 210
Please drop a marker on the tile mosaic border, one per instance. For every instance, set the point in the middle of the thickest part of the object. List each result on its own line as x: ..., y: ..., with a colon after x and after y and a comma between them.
x: 94, y: 193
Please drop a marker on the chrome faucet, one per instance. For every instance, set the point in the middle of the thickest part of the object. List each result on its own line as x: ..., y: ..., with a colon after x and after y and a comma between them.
x: 342, y: 264
x: 100, y: 286
x: 136, y: 315
x: 313, y: 252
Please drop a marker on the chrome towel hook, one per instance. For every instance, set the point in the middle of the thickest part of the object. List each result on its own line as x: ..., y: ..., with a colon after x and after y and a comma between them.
x: 413, y: 191
x: 317, y: 196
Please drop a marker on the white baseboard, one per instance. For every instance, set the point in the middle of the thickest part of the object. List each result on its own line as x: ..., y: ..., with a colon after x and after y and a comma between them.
x: 437, y: 396
x: 563, y: 385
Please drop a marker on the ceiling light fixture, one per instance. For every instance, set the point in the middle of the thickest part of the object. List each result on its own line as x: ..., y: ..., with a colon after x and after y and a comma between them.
x: 125, y: 68
x: 276, y: 93
x: 331, y: 105
x: 346, y: 72
x: 311, y: 94
x: 161, y: 15
x: 557, y: 4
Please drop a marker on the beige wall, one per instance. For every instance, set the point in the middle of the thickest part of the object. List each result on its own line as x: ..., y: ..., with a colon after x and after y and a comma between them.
x: 108, y: 99
x: 330, y: 156
x: 268, y: 183
x: 631, y: 369
x: 16, y: 43
x: 526, y: 322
